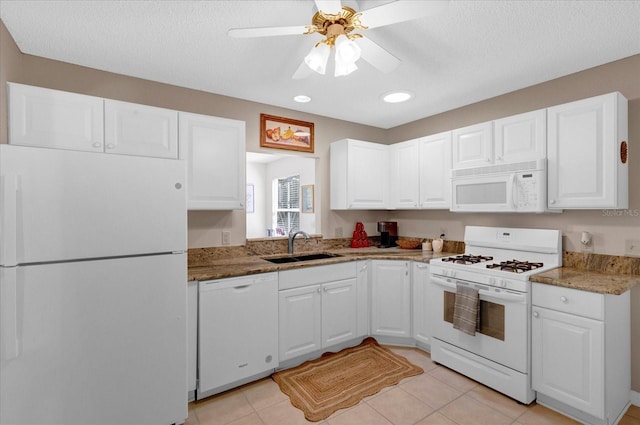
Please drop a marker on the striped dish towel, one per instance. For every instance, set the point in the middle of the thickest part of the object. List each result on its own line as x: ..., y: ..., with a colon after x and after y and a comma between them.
x: 466, y: 310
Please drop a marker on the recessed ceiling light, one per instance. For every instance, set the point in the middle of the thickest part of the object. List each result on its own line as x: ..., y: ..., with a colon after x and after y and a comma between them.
x: 397, y: 96
x: 301, y: 98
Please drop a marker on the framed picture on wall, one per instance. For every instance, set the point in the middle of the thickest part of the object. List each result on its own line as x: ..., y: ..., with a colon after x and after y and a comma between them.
x: 286, y: 133
x: 307, y: 199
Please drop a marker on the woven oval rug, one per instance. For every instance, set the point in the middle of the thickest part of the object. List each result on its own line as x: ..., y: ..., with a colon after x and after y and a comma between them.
x: 339, y: 380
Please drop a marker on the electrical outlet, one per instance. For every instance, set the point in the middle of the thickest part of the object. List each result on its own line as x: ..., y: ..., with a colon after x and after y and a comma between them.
x: 632, y: 247
x: 337, y: 232
x: 226, y: 237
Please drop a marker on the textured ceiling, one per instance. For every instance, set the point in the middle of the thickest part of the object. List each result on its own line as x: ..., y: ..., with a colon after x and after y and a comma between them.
x: 473, y: 51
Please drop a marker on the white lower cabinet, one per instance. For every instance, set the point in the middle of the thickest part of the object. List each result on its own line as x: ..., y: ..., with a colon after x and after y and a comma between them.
x: 421, y: 323
x: 581, y: 352
x: 238, y: 330
x: 318, y: 308
x: 391, y: 298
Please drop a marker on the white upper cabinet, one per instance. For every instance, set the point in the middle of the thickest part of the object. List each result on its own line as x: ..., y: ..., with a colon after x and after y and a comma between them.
x: 520, y: 138
x: 420, y: 173
x: 435, y: 171
x: 55, y: 119
x: 473, y: 146
x: 587, y: 153
x: 405, y: 175
x: 134, y: 129
x: 215, y: 152
x: 359, y: 175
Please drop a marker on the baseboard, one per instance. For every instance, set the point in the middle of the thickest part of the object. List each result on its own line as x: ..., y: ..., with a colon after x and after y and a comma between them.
x: 635, y: 398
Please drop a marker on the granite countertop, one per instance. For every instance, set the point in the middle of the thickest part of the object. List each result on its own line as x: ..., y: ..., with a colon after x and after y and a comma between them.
x: 586, y: 280
x: 253, y: 264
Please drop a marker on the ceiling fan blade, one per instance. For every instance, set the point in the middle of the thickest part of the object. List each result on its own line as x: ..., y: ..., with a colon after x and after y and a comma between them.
x: 331, y: 7
x: 401, y: 11
x: 377, y: 56
x: 302, y: 72
x: 266, y: 31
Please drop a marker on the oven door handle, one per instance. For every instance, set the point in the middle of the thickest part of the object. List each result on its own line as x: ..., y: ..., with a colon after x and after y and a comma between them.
x: 502, y: 295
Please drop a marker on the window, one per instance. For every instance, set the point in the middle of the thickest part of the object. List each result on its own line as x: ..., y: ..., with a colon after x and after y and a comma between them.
x: 286, y: 204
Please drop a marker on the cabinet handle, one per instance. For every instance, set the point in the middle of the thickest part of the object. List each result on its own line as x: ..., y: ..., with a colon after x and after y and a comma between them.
x: 552, y: 201
x: 364, y: 267
x: 97, y: 145
x: 563, y: 299
x: 110, y: 146
x: 320, y: 290
x: 536, y: 314
x: 326, y: 289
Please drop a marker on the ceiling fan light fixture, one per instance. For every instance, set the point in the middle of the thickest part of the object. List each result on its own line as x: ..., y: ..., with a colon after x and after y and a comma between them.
x: 318, y: 57
x: 397, y: 96
x: 346, y: 49
x: 343, y: 68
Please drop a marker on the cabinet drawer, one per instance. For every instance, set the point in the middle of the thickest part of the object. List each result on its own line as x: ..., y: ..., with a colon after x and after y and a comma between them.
x: 305, y: 276
x: 573, y: 301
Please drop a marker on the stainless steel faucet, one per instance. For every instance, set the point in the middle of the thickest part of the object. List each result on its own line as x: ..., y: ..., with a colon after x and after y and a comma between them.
x: 292, y: 236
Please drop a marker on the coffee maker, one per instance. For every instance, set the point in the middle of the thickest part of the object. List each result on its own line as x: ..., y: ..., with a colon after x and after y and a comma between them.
x: 388, y: 233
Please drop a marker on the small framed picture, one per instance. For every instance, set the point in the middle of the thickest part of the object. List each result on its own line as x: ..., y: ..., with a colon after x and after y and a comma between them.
x: 307, y: 198
x: 286, y: 133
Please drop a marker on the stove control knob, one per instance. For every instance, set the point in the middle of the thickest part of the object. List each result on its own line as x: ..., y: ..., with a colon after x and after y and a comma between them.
x: 563, y: 299
x: 453, y: 273
x: 503, y: 283
x: 492, y: 281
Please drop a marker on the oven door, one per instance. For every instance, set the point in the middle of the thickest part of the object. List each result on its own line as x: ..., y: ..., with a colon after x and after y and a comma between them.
x: 503, y: 336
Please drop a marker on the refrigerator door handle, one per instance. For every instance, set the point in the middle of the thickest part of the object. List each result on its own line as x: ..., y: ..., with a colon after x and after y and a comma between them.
x: 9, y: 186
x: 9, y: 324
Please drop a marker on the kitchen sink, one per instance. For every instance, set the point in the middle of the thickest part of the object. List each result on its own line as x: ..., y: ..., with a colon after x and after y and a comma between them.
x: 299, y: 258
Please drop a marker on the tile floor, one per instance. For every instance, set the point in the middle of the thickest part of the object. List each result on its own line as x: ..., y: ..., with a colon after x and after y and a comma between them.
x: 437, y: 397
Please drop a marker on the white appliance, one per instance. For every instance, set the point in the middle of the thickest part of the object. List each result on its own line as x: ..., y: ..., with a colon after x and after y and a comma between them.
x: 519, y: 187
x: 498, y: 262
x: 92, y: 288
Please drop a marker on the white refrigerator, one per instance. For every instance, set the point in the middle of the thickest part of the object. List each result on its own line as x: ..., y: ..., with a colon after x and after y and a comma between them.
x: 92, y: 288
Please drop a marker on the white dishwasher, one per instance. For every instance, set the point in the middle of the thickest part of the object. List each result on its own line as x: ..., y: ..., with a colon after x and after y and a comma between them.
x: 238, y: 331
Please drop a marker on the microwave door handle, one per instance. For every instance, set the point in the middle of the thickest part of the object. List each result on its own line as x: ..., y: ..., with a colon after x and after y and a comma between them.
x: 514, y: 190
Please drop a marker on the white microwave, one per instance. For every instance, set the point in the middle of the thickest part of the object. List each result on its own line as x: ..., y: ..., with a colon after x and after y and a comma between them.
x: 519, y: 187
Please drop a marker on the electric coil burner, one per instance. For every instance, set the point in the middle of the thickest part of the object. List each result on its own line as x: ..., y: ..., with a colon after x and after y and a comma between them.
x: 497, y: 353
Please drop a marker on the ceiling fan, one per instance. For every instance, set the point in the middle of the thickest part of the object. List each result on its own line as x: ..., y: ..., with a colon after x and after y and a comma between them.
x: 337, y: 23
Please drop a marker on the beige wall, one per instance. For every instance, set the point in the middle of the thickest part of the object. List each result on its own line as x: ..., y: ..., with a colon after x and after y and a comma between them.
x: 205, y: 227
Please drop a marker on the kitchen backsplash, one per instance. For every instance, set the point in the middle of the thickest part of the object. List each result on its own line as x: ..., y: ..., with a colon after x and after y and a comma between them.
x: 271, y: 246
x: 580, y: 260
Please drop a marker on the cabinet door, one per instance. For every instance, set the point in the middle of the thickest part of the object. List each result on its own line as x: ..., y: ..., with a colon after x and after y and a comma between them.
x: 367, y: 175
x: 339, y: 312
x: 473, y: 146
x: 55, y: 119
x: 521, y: 137
x: 405, y: 171
x: 421, y: 323
x: 192, y: 335
x: 363, y: 297
x: 390, y: 298
x: 584, y: 153
x: 215, y: 152
x: 238, y: 330
x: 133, y: 129
x: 300, y: 323
x: 435, y: 171
x: 567, y: 361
